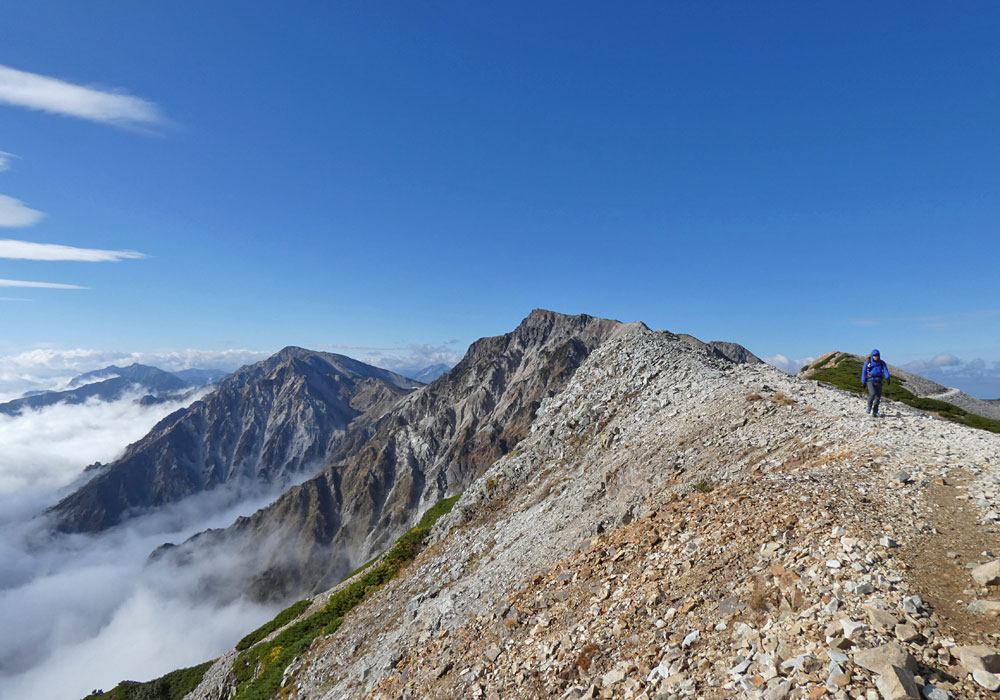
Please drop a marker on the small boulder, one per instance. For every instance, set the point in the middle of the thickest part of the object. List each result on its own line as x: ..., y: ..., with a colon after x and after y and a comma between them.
x: 988, y: 680
x: 985, y: 607
x: 897, y: 684
x: 932, y: 692
x: 882, y: 620
x: 987, y: 574
x: 979, y: 657
x: 879, y: 659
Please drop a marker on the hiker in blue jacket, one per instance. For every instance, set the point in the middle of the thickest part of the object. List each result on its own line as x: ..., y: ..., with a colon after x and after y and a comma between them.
x: 873, y: 373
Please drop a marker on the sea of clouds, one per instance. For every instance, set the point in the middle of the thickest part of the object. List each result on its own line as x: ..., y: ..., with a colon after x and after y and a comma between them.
x: 52, y: 369
x: 83, y: 612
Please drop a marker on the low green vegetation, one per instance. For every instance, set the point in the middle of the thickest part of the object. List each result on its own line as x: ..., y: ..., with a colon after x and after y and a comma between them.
x: 704, y: 486
x: 260, y: 666
x: 173, y: 686
x: 280, y: 620
x: 846, y: 374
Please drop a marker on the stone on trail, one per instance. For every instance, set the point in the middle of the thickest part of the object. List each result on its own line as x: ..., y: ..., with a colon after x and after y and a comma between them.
x: 932, y: 692
x: 851, y: 628
x: 988, y: 680
x: 882, y: 620
x: 987, y: 574
x: 897, y: 684
x: 979, y: 657
x: 985, y: 607
x: 879, y: 659
x: 777, y: 691
x: 612, y: 677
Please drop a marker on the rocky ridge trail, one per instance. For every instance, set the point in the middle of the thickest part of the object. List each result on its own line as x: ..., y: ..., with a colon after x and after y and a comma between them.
x: 677, y: 525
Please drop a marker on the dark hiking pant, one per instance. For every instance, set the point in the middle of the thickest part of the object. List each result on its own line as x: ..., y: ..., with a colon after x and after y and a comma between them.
x: 874, y: 395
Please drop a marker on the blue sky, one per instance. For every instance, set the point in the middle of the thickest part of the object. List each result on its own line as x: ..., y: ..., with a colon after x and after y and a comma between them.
x: 795, y: 177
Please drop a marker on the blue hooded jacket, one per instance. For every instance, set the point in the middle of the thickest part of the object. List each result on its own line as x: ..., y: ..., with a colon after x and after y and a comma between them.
x: 874, y: 370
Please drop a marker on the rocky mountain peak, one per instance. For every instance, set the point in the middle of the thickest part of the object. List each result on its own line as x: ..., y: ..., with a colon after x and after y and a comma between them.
x: 431, y: 445
x: 262, y: 425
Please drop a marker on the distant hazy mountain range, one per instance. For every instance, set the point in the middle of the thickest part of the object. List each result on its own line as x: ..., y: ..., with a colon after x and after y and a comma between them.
x: 425, y: 375
x: 113, y: 382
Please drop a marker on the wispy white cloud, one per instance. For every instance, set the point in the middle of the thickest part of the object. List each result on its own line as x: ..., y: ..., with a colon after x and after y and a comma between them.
x: 25, y: 250
x: 978, y: 377
x: 13, y: 299
x: 412, y: 357
x: 55, y: 96
x: 787, y: 364
x: 14, y: 213
x: 38, y: 285
x: 5, y: 159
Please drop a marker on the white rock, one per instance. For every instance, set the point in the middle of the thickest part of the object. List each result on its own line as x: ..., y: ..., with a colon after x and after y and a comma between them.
x: 932, y: 692
x: 988, y: 680
x: 850, y: 627
x: 690, y: 639
x: 897, y: 684
x: 987, y: 574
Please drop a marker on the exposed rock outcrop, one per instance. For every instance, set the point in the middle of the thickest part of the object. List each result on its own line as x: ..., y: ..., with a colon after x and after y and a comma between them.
x: 264, y: 423
x: 433, y: 444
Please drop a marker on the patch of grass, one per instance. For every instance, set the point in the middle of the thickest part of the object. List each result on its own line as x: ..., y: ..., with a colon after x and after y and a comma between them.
x: 846, y: 374
x: 704, y: 486
x: 260, y: 668
x: 780, y: 398
x: 280, y: 620
x: 173, y: 686
x: 753, y: 397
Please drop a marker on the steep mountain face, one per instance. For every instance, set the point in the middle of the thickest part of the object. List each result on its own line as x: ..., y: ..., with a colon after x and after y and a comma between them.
x: 383, y: 475
x: 675, y: 524
x: 264, y: 423
x: 156, y: 383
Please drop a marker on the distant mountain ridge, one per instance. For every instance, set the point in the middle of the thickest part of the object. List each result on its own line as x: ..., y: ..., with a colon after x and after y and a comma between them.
x: 424, y: 374
x: 108, y: 384
x: 263, y: 423
x: 921, y: 387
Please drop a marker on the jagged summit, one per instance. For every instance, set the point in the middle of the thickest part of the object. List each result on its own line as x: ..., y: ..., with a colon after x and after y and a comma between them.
x: 262, y: 424
x: 318, y: 361
x: 432, y: 445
